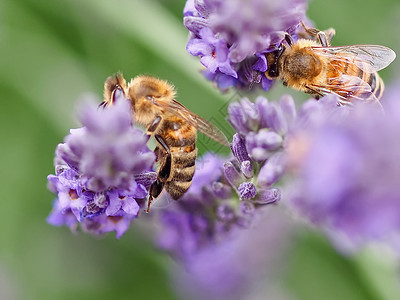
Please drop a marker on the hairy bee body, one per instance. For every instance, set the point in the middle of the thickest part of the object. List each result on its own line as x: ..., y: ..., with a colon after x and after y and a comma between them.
x: 172, y: 125
x: 316, y: 68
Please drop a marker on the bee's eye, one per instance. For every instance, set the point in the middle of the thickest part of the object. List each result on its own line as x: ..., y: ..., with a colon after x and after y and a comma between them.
x: 273, y: 70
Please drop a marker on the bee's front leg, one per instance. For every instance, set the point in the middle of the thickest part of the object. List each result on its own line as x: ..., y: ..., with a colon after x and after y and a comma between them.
x: 153, y: 126
x: 155, y: 190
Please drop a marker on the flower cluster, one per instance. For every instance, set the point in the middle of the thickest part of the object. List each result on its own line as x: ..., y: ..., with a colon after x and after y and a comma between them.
x: 262, y: 127
x: 232, y: 37
x: 225, y: 194
x: 205, y: 214
x: 341, y: 163
x: 347, y: 177
x: 103, y: 171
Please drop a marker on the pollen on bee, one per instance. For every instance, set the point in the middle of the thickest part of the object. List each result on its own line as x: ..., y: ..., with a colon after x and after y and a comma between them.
x: 189, y: 148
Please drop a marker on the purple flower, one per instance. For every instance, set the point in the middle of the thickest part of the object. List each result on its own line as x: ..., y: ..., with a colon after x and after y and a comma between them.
x: 224, y: 195
x: 234, y: 267
x: 213, y: 52
x: 103, y: 171
x: 347, y: 172
x: 217, y: 203
x: 190, y: 224
x: 232, y: 37
x: 262, y: 128
x: 105, y: 151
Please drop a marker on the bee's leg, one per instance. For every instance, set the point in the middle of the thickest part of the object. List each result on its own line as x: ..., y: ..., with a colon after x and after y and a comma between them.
x: 155, y: 190
x: 161, y: 141
x: 154, y: 125
x: 316, y: 93
x: 164, y: 171
x: 324, y: 37
x: 329, y: 33
x: 289, y: 39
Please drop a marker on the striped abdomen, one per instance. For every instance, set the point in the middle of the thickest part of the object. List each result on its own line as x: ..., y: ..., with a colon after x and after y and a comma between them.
x: 180, y: 137
x: 182, y: 170
x: 351, y: 82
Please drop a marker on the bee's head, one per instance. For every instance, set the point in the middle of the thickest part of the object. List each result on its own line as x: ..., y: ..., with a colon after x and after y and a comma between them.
x: 114, y: 87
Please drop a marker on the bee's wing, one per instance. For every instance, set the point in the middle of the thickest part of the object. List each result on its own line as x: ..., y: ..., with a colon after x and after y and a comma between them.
x: 369, y: 58
x: 347, y: 87
x: 209, y: 129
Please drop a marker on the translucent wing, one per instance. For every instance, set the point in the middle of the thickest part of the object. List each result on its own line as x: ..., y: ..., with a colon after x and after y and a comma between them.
x: 209, y: 129
x: 369, y: 58
x: 347, y: 88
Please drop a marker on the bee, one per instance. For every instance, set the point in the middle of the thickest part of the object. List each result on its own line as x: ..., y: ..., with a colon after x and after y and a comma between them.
x: 315, y: 67
x: 173, y: 126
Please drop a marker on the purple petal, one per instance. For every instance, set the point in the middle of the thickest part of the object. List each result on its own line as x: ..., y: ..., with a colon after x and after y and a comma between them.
x: 115, y: 204
x: 239, y: 148
x: 247, y: 169
x: 268, y: 196
x: 199, y: 47
x: 271, y: 171
x: 232, y: 174
x: 130, y: 206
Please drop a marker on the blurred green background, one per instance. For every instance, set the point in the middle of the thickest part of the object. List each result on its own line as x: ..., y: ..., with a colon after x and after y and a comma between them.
x: 53, y: 53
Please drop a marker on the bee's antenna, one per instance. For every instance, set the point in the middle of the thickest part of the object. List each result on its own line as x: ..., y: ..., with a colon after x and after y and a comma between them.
x: 102, y: 104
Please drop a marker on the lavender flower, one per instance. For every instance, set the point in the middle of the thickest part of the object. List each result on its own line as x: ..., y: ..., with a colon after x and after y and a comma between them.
x: 212, y: 209
x: 102, y: 172
x: 226, y: 194
x: 262, y: 128
x: 234, y: 269
x: 347, y: 173
x: 232, y: 37
x: 189, y: 225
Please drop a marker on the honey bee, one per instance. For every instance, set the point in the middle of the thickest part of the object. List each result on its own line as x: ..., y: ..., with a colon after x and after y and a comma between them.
x: 313, y: 66
x: 173, y: 126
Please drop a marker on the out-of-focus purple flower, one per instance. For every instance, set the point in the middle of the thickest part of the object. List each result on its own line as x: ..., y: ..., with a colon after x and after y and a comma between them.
x: 348, y: 173
x: 190, y: 223
x: 237, y: 267
x: 103, y: 171
x: 232, y: 37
